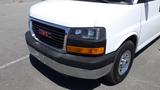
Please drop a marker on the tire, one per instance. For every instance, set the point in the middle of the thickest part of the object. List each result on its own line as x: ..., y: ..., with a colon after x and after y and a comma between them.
x: 124, y: 56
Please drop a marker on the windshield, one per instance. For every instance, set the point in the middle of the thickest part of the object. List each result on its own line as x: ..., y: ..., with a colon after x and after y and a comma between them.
x: 111, y: 1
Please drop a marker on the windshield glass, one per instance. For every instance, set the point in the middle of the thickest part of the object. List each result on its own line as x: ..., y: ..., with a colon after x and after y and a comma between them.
x: 111, y: 1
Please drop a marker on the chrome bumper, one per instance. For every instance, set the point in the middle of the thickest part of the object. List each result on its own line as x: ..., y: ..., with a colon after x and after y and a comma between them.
x: 71, y: 71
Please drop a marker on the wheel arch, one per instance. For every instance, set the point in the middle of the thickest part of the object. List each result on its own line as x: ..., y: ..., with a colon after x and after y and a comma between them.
x: 132, y: 36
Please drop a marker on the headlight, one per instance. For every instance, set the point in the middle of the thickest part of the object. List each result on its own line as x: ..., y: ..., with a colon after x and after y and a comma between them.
x: 87, y: 41
x: 86, y: 33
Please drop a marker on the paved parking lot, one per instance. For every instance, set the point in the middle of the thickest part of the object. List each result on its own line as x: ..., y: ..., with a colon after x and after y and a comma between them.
x: 18, y: 71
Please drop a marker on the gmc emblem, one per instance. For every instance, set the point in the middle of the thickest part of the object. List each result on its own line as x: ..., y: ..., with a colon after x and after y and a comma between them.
x: 44, y: 33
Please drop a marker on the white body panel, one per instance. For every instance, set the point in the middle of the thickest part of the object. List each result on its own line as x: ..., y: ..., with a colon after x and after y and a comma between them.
x: 150, y: 22
x: 120, y: 21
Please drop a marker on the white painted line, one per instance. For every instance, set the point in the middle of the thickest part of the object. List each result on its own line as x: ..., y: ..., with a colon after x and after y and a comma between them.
x: 13, y: 62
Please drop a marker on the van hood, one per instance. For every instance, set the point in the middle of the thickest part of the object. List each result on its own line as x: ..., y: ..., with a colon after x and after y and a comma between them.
x: 77, y: 13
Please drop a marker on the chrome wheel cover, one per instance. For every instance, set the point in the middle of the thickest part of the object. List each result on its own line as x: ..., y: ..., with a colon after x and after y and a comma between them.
x: 124, y: 62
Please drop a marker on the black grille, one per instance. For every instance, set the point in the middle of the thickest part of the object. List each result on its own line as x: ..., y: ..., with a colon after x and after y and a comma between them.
x: 55, y: 36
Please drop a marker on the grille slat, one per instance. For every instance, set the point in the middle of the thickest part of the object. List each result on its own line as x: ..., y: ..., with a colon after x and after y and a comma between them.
x: 57, y: 35
x: 56, y: 44
x: 55, y: 38
x: 54, y: 31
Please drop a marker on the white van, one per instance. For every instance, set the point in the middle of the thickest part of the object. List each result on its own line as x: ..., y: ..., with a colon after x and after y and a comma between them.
x: 92, y: 39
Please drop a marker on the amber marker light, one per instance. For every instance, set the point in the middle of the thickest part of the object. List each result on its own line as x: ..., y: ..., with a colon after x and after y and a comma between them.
x: 85, y: 51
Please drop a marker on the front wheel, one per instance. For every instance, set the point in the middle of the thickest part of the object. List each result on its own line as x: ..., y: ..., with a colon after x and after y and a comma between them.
x: 123, y: 62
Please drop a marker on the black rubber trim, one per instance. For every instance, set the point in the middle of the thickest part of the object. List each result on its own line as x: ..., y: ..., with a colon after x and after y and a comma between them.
x: 87, y: 44
x: 83, y: 62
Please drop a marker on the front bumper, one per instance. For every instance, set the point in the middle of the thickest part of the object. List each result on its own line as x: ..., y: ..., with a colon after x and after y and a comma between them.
x: 72, y: 65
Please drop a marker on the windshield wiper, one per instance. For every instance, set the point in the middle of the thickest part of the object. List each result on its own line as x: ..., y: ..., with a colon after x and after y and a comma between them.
x: 106, y: 1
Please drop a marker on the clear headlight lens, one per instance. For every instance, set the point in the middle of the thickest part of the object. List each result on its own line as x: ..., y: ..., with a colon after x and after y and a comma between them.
x: 86, y: 33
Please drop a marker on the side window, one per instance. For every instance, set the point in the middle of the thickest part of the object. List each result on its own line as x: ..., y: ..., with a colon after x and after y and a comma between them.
x: 144, y: 1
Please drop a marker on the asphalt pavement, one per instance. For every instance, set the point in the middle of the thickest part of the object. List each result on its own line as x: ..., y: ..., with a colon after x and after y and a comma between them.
x: 19, y: 71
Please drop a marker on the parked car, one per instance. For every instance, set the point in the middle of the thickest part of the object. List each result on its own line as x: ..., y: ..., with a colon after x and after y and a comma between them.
x: 92, y: 39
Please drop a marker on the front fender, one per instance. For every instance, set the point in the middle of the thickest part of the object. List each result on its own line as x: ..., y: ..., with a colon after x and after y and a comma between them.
x: 124, y: 38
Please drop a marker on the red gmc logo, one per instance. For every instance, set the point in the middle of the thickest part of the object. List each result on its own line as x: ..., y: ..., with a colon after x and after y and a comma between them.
x: 44, y: 33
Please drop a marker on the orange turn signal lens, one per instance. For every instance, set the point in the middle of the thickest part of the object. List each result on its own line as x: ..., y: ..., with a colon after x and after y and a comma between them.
x: 86, y: 51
